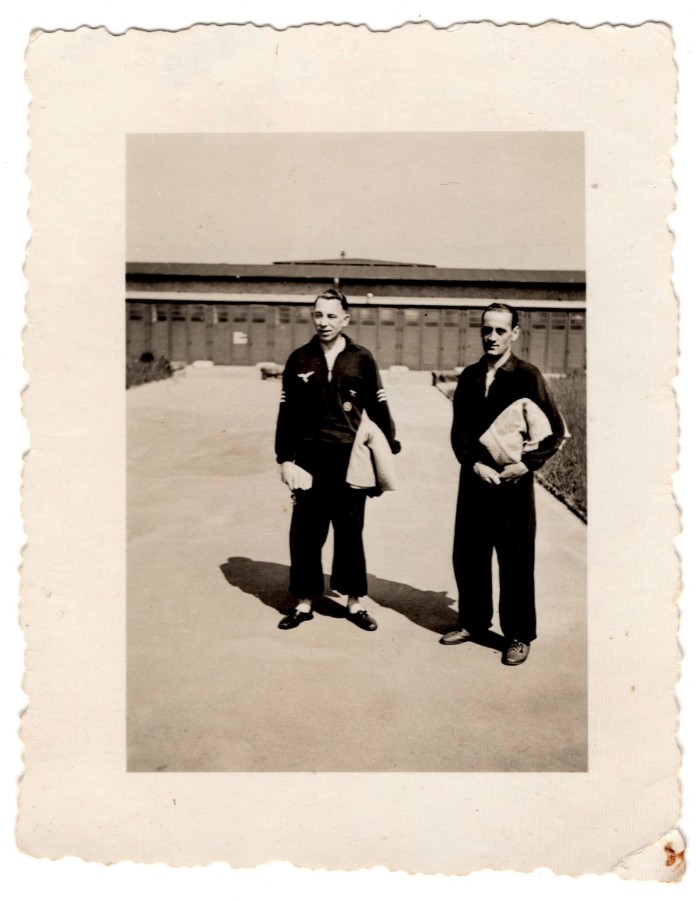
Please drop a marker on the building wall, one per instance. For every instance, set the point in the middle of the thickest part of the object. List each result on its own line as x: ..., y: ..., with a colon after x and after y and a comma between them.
x: 255, y: 330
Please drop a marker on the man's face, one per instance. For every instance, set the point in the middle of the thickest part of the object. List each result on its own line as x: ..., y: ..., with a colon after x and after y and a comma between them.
x: 329, y: 318
x: 497, y: 333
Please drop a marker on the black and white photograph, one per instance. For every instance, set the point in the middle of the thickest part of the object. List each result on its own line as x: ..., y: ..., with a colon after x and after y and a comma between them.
x: 356, y: 406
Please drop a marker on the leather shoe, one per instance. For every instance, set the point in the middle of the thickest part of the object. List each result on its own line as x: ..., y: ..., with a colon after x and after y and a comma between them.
x: 294, y: 619
x: 458, y: 636
x: 362, y: 619
x: 516, y: 653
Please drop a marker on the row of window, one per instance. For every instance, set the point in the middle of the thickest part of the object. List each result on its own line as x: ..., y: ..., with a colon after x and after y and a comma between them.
x: 387, y: 316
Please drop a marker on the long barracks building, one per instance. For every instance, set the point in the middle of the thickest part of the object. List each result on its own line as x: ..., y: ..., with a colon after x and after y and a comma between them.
x: 419, y: 316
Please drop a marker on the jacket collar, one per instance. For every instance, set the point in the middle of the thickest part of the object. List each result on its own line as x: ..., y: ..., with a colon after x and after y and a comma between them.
x: 315, y: 344
x: 510, y: 364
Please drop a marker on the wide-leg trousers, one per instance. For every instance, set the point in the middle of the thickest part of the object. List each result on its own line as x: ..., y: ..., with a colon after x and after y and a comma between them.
x: 501, y: 518
x: 330, y: 500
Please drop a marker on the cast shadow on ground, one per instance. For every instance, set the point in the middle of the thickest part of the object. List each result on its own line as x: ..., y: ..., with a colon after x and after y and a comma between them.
x: 268, y: 582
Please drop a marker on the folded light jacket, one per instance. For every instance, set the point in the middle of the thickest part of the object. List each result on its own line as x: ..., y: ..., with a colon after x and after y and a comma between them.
x: 517, y: 421
x: 520, y: 428
x: 371, y: 460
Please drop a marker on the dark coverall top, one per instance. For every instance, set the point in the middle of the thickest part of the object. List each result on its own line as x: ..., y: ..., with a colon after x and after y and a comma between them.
x: 316, y: 427
x: 500, y: 517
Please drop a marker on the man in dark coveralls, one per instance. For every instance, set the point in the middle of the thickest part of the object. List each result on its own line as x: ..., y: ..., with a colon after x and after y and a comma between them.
x: 505, y: 427
x: 326, y: 385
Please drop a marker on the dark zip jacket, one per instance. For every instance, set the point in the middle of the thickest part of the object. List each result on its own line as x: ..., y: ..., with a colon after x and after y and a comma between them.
x: 475, y: 412
x: 314, y: 410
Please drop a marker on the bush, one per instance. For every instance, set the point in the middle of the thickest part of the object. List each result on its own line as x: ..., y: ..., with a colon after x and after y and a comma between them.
x: 147, y: 369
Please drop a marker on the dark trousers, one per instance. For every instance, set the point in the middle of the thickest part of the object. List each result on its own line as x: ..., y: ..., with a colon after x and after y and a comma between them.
x: 329, y: 500
x: 500, y: 518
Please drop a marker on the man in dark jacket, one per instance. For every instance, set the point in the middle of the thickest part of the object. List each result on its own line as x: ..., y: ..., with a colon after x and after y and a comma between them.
x: 505, y: 427
x: 326, y: 385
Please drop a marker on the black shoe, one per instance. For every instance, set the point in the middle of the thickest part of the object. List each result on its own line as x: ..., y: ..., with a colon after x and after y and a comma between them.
x: 362, y: 619
x: 294, y: 619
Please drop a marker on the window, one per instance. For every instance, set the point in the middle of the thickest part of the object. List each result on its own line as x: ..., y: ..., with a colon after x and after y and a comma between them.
x: 220, y: 313
x: 197, y: 313
x: 450, y: 318
x: 432, y: 318
x: 177, y: 314
x: 411, y: 317
x: 283, y: 315
x: 387, y: 316
x: 160, y: 312
x: 258, y: 313
x: 135, y: 312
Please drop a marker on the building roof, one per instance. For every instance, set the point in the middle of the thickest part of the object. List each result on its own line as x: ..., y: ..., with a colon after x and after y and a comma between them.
x: 351, y: 261
x: 355, y: 270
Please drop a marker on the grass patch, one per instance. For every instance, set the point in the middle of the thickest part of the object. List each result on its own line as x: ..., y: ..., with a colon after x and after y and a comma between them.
x: 565, y: 473
x: 147, y: 368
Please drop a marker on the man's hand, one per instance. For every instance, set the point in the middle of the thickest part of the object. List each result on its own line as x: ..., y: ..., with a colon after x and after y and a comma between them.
x: 487, y: 474
x: 294, y: 477
x: 513, y: 472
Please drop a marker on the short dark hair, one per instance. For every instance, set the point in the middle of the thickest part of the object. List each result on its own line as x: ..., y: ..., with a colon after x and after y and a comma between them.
x: 502, y: 308
x: 334, y: 294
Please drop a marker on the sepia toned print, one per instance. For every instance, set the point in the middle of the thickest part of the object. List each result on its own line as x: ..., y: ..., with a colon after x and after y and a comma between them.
x: 201, y: 450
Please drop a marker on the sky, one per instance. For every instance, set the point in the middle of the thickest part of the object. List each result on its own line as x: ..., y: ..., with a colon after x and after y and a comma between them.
x: 472, y: 200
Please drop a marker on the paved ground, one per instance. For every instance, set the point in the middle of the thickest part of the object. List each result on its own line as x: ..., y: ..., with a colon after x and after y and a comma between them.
x: 214, y: 685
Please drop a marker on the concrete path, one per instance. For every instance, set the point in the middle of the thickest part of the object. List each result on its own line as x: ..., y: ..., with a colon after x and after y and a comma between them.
x: 214, y: 685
